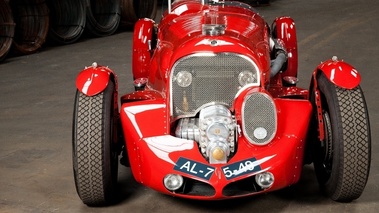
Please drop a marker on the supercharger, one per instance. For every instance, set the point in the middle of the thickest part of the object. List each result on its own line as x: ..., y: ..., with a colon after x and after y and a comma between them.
x: 214, y: 130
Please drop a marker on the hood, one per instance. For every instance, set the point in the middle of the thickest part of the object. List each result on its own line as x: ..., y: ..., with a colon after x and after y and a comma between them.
x: 219, y: 27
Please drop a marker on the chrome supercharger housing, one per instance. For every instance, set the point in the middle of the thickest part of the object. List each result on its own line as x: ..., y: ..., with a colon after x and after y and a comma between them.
x: 214, y: 130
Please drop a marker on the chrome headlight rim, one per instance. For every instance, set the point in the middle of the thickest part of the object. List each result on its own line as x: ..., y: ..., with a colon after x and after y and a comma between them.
x: 246, y: 77
x: 183, y: 78
x: 173, y: 182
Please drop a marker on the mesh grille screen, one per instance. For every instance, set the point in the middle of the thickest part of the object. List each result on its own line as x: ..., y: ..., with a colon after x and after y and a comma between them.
x: 214, y: 79
x: 259, y: 111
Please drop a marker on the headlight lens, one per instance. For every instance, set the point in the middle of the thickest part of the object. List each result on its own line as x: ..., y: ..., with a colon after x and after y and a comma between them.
x: 184, y: 78
x: 260, y: 133
x: 265, y: 179
x: 173, y: 181
x: 246, y: 77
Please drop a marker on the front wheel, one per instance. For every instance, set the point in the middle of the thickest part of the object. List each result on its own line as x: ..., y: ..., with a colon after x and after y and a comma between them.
x: 95, y: 155
x: 342, y: 159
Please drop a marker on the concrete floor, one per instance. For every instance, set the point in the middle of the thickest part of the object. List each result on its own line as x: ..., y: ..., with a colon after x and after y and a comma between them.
x: 36, y: 104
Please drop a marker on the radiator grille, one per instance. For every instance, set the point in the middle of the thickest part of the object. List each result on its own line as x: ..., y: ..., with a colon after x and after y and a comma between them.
x: 259, y: 112
x: 214, y: 80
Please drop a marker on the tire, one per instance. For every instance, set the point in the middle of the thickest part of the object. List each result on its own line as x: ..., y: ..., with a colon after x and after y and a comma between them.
x: 95, y: 155
x: 342, y: 160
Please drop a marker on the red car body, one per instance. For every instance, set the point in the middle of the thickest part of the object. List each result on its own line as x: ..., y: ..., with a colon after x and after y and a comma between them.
x: 268, y: 120
x: 154, y: 153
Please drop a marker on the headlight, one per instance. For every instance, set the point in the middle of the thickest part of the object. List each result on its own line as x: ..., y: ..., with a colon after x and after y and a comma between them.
x: 260, y: 133
x: 184, y: 78
x: 265, y: 179
x: 173, y: 181
x: 246, y: 77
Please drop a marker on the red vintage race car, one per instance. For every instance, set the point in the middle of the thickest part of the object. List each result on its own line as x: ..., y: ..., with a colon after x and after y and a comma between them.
x: 216, y: 113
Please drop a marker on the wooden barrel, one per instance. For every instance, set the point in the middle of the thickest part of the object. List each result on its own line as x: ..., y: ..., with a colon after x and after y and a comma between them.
x: 7, y: 27
x: 132, y: 10
x: 32, y: 24
x: 67, y: 20
x: 103, y: 16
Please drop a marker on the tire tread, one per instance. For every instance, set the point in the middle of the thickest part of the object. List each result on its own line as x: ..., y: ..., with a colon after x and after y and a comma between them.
x: 89, y: 149
x: 351, y: 142
x: 356, y: 150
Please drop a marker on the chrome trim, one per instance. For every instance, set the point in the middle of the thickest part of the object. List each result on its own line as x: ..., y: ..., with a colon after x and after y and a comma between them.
x: 213, y: 29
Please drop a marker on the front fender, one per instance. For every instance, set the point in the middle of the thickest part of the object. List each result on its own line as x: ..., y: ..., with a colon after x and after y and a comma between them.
x: 284, y: 29
x: 340, y: 73
x: 142, y: 46
x: 94, y: 79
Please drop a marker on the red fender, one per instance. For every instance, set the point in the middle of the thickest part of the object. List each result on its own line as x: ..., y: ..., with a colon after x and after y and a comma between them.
x: 94, y: 79
x: 340, y: 73
x: 142, y: 39
x: 285, y: 30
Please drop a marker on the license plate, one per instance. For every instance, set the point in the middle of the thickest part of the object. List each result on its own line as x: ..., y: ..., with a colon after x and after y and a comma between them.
x: 194, y: 168
x: 241, y: 168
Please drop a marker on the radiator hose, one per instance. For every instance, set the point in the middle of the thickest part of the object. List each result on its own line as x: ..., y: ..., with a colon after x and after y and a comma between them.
x: 277, y: 63
x: 280, y: 53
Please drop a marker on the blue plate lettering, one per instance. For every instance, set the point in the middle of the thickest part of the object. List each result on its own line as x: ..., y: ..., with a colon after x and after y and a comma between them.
x: 194, y: 168
x: 241, y: 168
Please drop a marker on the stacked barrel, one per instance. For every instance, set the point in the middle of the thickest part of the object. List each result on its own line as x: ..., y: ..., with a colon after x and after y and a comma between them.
x: 7, y: 27
x: 26, y: 25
